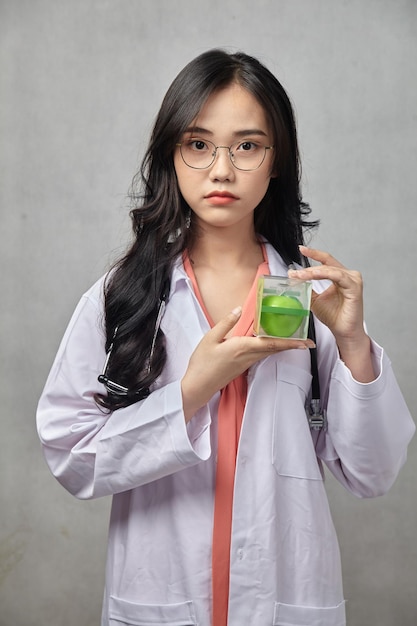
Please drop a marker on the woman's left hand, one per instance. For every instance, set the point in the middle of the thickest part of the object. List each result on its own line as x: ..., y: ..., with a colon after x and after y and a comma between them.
x: 340, y: 307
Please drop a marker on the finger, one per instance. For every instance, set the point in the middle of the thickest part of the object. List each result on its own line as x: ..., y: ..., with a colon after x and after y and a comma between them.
x: 288, y: 344
x: 319, y: 255
x: 220, y: 330
x: 266, y: 345
x: 348, y: 280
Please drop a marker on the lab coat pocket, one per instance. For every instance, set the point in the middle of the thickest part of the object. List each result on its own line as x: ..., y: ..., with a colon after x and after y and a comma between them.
x: 293, y: 450
x: 291, y: 615
x: 124, y: 613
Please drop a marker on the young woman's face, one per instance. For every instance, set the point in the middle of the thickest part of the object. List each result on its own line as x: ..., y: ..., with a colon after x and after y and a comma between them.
x: 222, y: 196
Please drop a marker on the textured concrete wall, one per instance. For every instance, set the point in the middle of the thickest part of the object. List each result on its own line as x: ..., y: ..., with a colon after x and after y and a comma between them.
x: 81, y: 81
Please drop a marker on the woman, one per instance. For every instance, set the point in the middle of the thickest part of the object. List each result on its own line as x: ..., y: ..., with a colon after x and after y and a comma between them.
x: 197, y: 428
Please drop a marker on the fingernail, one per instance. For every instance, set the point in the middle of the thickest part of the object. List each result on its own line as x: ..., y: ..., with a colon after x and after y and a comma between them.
x: 237, y: 311
x: 307, y: 345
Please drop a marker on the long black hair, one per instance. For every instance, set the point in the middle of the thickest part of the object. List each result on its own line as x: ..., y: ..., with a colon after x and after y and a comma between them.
x: 134, y: 287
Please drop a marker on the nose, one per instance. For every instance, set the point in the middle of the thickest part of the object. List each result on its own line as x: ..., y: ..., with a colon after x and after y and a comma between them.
x: 222, y: 168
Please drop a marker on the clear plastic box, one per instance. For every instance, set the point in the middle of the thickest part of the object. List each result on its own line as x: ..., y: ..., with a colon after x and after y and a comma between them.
x: 282, y: 307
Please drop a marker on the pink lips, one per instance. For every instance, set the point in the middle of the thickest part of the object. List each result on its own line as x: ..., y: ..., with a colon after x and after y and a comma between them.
x: 221, y: 198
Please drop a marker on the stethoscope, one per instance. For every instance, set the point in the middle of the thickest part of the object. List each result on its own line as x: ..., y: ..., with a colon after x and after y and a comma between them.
x: 316, y: 415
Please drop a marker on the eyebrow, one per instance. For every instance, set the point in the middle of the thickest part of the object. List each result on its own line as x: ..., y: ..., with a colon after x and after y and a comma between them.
x: 238, y: 133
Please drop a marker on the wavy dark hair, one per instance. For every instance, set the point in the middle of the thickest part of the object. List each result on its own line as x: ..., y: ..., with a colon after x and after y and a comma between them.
x: 133, y: 288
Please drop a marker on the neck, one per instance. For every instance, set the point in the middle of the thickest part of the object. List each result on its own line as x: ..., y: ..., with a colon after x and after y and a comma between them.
x: 222, y: 249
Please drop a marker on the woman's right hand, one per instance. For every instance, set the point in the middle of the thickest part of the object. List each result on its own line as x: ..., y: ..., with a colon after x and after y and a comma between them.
x: 219, y: 359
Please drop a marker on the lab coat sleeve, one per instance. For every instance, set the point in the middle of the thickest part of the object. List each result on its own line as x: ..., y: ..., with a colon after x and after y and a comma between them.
x: 95, y: 453
x: 369, y: 428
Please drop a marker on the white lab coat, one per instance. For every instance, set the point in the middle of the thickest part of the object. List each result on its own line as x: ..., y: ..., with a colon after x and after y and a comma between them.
x: 285, y: 565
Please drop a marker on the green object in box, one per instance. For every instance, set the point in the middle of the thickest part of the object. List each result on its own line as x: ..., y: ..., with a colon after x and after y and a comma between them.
x: 281, y: 315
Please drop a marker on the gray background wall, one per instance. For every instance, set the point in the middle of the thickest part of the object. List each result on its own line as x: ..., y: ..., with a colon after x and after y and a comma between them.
x: 80, y: 82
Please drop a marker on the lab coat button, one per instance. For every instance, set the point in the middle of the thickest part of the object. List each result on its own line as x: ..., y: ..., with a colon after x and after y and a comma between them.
x: 240, y: 554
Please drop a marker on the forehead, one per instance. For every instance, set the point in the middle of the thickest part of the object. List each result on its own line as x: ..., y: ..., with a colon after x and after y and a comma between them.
x: 232, y: 110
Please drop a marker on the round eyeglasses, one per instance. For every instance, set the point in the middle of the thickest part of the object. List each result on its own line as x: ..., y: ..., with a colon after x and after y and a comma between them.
x: 201, y: 154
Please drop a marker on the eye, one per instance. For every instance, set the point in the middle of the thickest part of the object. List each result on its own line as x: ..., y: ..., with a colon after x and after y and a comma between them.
x: 198, y: 145
x: 247, y: 146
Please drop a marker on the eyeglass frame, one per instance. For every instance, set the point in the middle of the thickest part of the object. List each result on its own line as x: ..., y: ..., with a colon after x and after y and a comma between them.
x: 252, y: 169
